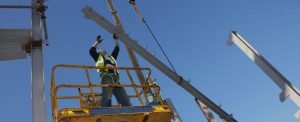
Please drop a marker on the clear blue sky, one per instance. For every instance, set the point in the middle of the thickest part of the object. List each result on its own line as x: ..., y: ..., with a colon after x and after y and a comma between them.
x: 193, y: 33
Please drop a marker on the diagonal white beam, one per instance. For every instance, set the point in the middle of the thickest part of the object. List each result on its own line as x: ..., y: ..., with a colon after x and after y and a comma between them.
x: 176, y: 117
x: 131, y: 54
x: 288, y: 90
x: 205, y: 110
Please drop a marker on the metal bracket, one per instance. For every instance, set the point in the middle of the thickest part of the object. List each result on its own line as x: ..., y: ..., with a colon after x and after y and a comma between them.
x: 33, y: 44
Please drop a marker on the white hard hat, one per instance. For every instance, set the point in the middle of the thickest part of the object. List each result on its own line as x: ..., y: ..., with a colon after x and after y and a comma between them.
x: 102, y: 52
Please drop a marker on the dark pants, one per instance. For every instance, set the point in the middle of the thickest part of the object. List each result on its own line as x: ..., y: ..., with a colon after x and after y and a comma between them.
x: 119, y: 92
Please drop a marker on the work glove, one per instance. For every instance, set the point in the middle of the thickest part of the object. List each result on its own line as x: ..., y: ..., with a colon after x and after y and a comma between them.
x: 132, y: 1
x: 99, y: 39
x: 115, y: 36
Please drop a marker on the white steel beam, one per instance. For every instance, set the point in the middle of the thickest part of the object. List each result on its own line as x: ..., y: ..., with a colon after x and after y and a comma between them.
x: 205, y: 110
x: 130, y: 52
x: 38, y: 95
x: 176, y: 117
x: 91, y: 14
x: 288, y: 90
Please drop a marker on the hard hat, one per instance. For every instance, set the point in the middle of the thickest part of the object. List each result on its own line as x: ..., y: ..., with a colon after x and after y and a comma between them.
x: 102, y: 52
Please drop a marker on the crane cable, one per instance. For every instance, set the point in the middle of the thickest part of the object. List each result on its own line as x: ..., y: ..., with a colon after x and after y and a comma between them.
x: 132, y: 2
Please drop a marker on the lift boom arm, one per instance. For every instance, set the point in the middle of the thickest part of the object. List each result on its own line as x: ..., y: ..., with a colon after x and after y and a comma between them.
x: 91, y: 14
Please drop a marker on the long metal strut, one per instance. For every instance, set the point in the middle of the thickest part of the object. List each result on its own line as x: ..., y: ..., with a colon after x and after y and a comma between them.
x: 131, y: 54
x: 288, y: 90
x: 91, y: 14
x: 206, y: 111
x: 38, y: 89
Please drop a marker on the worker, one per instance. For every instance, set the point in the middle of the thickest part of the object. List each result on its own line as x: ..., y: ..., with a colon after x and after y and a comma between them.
x: 109, y: 76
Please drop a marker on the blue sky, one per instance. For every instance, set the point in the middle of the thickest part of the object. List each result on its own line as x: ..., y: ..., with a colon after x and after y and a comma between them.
x: 193, y: 34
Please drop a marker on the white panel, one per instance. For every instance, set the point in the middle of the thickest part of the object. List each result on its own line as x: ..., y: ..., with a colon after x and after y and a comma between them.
x: 12, y: 42
x: 12, y: 56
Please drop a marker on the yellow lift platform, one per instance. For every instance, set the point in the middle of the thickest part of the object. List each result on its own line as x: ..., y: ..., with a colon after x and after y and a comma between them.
x: 150, y: 108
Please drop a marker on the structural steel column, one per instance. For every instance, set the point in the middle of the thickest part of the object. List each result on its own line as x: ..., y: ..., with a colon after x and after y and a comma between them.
x: 131, y: 54
x: 38, y: 95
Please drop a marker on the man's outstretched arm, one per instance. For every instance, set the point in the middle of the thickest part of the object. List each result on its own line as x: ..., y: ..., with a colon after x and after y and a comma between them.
x: 116, y: 50
x: 93, y: 51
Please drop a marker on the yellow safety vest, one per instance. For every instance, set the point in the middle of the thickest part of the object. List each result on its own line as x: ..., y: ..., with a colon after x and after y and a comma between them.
x: 107, y: 61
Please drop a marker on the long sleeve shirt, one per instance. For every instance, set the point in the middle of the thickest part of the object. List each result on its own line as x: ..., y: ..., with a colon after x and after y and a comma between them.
x: 95, y: 55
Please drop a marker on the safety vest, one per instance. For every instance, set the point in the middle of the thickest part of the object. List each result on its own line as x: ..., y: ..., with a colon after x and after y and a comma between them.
x: 107, y: 61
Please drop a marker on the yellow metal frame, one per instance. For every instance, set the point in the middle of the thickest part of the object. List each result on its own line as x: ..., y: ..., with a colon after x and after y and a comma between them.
x: 85, y: 104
